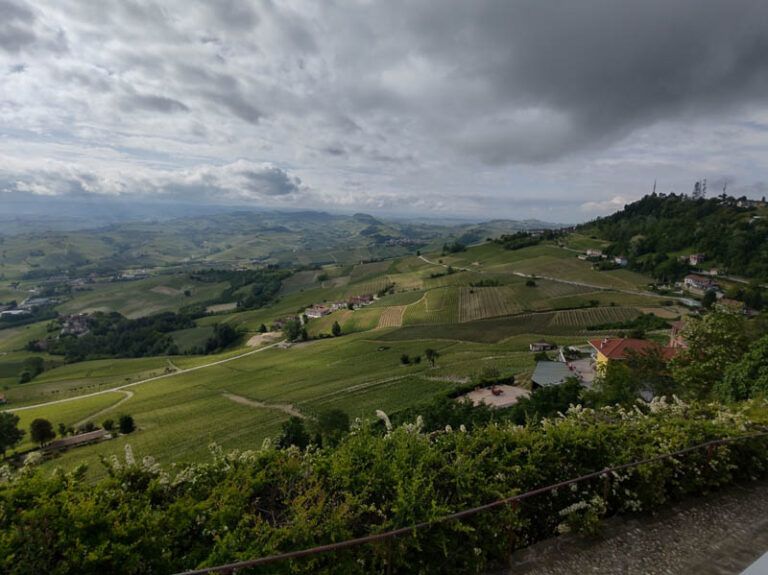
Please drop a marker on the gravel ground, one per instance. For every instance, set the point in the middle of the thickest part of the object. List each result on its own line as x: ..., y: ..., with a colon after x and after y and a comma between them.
x: 719, y: 534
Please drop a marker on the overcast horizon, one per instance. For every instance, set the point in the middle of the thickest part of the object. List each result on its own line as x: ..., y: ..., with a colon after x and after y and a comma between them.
x: 558, y: 111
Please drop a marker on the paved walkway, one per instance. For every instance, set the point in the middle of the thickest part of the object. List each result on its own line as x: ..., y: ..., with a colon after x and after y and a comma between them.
x: 719, y: 534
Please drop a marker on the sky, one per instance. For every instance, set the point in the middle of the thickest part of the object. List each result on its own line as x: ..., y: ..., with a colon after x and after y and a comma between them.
x: 557, y: 110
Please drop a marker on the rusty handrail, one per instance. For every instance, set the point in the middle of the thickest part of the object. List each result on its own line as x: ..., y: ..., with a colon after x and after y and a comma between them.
x: 460, y: 514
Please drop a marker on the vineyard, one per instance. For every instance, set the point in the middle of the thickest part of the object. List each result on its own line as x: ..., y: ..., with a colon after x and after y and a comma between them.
x: 581, y: 318
x: 392, y: 316
x: 566, y: 323
x: 479, y: 303
x: 437, y: 306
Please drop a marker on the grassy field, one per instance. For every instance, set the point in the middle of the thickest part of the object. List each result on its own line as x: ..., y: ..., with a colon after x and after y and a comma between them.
x: 142, y: 297
x: 193, y: 337
x: 84, y: 377
x: 68, y: 413
x: 439, y: 305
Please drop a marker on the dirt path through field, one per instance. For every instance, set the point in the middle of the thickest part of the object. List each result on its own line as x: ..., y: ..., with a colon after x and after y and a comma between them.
x: 128, y: 395
x: 284, y: 407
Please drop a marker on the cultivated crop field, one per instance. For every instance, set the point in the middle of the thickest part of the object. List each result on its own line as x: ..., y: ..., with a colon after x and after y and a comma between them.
x: 84, y: 377
x: 142, y: 297
x: 392, y: 316
x: 68, y: 413
x: 437, y: 306
x: 399, y: 298
x: 479, y: 303
x: 580, y: 318
x: 179, y: 415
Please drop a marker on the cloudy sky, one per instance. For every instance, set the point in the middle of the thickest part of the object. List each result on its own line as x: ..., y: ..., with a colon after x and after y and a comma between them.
x: 558, y: 110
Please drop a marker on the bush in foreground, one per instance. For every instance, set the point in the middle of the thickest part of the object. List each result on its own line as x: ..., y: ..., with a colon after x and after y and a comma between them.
x: 245, y: 505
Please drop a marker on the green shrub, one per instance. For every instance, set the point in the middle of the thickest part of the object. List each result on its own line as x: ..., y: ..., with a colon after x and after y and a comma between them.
x: 243, y: 505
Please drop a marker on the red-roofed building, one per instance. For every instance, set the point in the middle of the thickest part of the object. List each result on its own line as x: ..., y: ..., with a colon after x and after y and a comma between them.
x: 618, y: 349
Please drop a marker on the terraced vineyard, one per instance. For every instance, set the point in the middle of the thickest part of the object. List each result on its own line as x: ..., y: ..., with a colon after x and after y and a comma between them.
x: 392, y: 316
x: 479, y: 303
x: 581, y: 318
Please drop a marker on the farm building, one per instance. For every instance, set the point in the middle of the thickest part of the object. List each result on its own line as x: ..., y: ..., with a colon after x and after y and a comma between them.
x: 361, y: 300
x: 13, y: 312
x: 699, y: 284
x: 542, y: 346
x: 549, y: 373
x: 317, y: 311
x: 335, y: 306
x: 694, y: 259
x: 594, y: 253
x: 618, y: 349
x: 77, y: 440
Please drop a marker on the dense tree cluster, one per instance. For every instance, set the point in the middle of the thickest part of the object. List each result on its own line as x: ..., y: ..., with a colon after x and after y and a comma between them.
x: 112, y: 335
x: 650, y: 230
x: 517, y: 240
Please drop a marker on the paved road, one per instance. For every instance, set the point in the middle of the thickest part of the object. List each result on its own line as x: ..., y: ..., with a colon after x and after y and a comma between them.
x: 165, y: 375
x: 716, y: 534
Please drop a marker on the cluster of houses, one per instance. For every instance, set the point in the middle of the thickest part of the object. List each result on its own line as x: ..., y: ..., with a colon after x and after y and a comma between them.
x: 354, y: 302
x: 75, y: 324
x: 594, y: 253
x: 602, y: 353
x: 320, y: 310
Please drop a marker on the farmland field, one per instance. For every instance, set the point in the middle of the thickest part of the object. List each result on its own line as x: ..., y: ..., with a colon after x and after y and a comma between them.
x: 392, y: 316
x: 595, y: 316
x: 68, y: 413
x: 193, y: 337
x: 142, y: 297
x: 437, y: 306
x: 483, y: 302
x: 400, y: 298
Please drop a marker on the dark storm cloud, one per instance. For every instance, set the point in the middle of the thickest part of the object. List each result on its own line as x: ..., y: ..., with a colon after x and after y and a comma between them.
x: 16, y: 21
x: 595, y: 69
x: 272, y: 182
x: 153, y: 103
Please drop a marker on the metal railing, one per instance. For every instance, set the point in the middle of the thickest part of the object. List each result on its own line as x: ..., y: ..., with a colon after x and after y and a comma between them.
x: 513, y: 500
